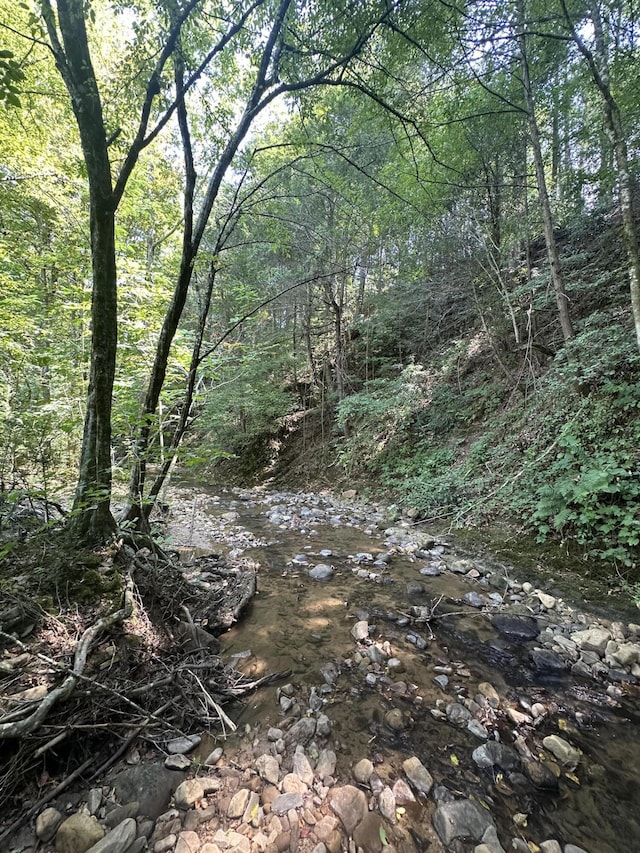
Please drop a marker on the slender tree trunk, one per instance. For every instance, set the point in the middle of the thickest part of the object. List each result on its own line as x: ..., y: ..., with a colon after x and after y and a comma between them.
x: 599, y: 68
x: 92, y: 516
x: 543, y: 193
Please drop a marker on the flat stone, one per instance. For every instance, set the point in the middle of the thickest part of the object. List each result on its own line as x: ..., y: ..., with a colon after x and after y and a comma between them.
x: 284, y: 802
x: 360, y: 630
x: 238, y: 804
x: 181, y: 745
x: 47, y: 823
x: 321, y: 572
x: 268, y: 768
x: 362, y: 771
x: 119, y: 840
x: 402, y: 793
x: 518, y: 628
x: 302, y: 767
x: 326, y: 763
x: 387, y: 804
x: 151, y: 785
x: 94, y: 800
x: 494, y: 753
x: 546, y: 600
x: 418, y: 775
x: 461, y: 819
x: 78, y: 833
x: 188, y: 793
x: 117, y: 815
x: 253, y: 814
x: 301, y: 732
x: 350, y: 804
x: 544, y: 660
x: 177, y: 762
x: 562, y: 750
x: 214, y: 757
x: 367, y: 833
x: 592, y: 640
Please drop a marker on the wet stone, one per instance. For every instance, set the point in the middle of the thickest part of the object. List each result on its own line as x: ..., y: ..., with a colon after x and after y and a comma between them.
x: 562, y: 750
x: 545, y: 660
x: 461, y: 819
x: 301, y: 732
x: 350, y: 804
x: 518, y: 628
x: 494, y: 753
x: 418, y: 775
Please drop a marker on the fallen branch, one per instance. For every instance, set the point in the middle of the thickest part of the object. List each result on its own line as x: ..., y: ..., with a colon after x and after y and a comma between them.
x: 20, y: 728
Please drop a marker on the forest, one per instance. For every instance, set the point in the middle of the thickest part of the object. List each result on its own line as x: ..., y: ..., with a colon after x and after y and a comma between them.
x: 380, y: 249
x: 398, y: 239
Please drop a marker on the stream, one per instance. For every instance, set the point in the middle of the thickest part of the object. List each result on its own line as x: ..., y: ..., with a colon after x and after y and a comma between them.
x: 444, y: 664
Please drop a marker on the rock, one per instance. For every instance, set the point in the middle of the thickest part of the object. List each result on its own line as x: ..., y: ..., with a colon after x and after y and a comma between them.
x: 301, y: 732
x: 461, y: 819
x: 387, y: 804
x: 284, y: 802
x: 78, y: 833
x: 394, y: 719
x: 362, y: 771
x: 326, y: 764
x: 181, y: 745
x: 477, y: 729
x: 415, y: 589
x: 119, y: 840
x: 571, y: 848
x: 350, y: 804
x: 47, y: 823
x: 592, y: 640
x: 367, y: 833
x: 457, y: 714
x: 238, y: 804
x: 302, y: 768
x: 539, y: 774
x: 94, y: 800
x: 163, y: 845
x: 489, y: 692
x: 402, y: 793
x: 268, y: 768
x: 292, y: 783
x: 547, y: 601
x: 121, y: 813
x: 495, y: 753
x: 321, y: 572
x: 149, y: 784
x: 544, y: 660
x: 214, y: 757
x: 360, y: 630
x: 177, y: 762
x: 551, y: 846
x: 442, y: 681
x: 474, y: 599
x: 562, y: 750
x: 323, y: 726
x: 188, y: 793
x: 518, y: 628
x: 627, y: 654
x: 418, y: 775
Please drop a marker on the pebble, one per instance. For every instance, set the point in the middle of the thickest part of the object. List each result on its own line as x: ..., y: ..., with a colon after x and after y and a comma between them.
x: 362, y: 771
x: 181, y: 745
x: 562, y: 750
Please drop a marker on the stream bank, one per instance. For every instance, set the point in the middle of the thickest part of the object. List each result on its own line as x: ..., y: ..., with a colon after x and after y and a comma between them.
x: 435, y: 702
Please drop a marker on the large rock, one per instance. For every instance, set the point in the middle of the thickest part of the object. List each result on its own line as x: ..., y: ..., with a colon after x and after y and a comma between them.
x: 150, y: 784
x: 461, y: 819
x: 47, y: 823
x: 78, y: 833
x: 418, y: 775
x: 119, y: 840
x: 367, y: 834
x: 519, y: 628
x: 592, y: 640
x: 350, y: 804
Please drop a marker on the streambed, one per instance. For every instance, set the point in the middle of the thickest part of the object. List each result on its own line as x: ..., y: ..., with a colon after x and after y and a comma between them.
x: 414, y: 682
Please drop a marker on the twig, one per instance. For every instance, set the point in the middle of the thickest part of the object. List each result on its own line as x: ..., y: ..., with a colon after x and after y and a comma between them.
x: 20, y: 821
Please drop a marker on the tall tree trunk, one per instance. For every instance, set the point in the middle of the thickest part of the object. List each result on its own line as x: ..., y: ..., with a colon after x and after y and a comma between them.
x: 92, y: 516
x: 598, y: 64
x: 543, y: 193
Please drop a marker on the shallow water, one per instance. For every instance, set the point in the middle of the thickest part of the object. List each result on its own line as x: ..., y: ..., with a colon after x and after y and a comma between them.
x: 298, y: 624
